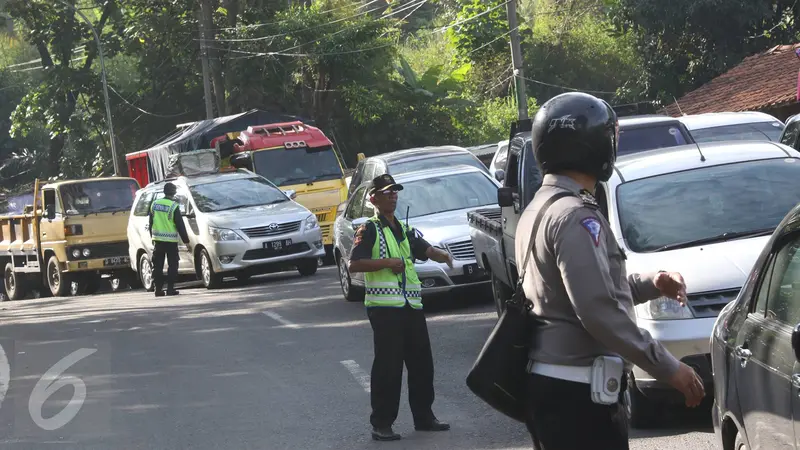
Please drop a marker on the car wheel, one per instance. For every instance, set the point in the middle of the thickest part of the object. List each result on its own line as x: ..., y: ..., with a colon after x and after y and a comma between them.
x: 14, y: 283
x: 211, y: 279
x: 60, y: 283
x: 640, y: 410
x: 501, y: 293
x: 307, y: 267
x: 739, y: 443
x: 146, y: 273
x: 351, y: 293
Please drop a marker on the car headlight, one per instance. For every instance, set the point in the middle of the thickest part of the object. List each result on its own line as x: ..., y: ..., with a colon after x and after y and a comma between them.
x: 663, y: 308
x: 312, y: 222
x: 86, y: 253
x: 76, y: 253
x: 223, y: 234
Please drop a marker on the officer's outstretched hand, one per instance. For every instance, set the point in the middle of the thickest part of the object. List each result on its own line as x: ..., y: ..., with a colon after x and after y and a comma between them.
x: 688, y: 382
x: 671, y: 285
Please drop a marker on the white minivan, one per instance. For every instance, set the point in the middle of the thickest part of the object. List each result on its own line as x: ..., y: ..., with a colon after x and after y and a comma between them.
x: 705, y: 211
x: 239, y: 224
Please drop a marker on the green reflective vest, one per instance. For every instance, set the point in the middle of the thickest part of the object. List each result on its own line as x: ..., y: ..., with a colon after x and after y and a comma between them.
x: 164, y: 228
x: 384, y: 287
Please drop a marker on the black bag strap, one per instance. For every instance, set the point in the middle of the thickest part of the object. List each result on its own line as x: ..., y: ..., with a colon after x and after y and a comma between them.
x: 534, y: 230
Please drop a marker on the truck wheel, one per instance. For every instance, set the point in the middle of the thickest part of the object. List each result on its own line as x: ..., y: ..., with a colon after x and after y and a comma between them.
x: 640, y: 410
x: 211, y: 279
x: 146, y: 273
x: 60, y: 283
x: 14, y: 283
x: 501, y: 293
x: 307, y: 267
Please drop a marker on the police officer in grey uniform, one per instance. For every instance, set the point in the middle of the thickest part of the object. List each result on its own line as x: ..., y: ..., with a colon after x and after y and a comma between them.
x: 579, y: 288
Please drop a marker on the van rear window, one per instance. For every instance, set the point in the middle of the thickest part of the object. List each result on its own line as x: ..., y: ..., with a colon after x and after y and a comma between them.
x: 649, y: 138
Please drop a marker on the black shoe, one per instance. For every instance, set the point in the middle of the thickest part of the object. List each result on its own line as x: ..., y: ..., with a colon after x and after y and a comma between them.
x: 384, y: 434
x: 173, y: 292
x: 160, y: 293
x: 432, y: 425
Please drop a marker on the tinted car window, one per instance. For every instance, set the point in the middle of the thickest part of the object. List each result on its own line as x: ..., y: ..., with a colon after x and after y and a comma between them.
x: 702, y: 203
x: 356, y: 204
x: 783, y: 304
x: 92, y: 197
x: 436, y: 162
x: 790, y: 134
x: 143, y: 206
x: 633, y: 140
x: 758, y: 131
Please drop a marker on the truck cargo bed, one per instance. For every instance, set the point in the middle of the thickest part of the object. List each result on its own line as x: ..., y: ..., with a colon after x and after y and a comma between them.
x: 487, y: 219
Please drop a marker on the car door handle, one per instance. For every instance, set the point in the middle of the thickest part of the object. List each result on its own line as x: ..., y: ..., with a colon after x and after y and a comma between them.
x: 743, y: 354
x: 796, y: 381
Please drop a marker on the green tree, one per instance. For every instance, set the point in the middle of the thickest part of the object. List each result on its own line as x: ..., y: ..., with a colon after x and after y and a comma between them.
x: 69, y: 81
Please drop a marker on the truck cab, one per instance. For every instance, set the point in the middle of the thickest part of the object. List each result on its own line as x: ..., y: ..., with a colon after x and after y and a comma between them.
x: 297, y: 157
x: 75, y: 232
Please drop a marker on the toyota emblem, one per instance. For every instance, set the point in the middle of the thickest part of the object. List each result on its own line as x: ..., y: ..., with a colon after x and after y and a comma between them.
x: 273, y: 226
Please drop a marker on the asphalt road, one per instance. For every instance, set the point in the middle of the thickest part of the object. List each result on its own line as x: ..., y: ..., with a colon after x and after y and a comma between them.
x: 281, y: 362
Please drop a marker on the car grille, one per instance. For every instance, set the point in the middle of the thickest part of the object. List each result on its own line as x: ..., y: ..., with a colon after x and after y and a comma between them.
x: 709, y: 304
x: 461, y: 249
x: 263, y: 253
x: 274, y: 229
x: 104, y: 250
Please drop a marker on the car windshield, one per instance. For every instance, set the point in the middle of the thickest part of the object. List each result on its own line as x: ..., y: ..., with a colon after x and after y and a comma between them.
x: 445, y: 193
x: 289, y: 166
x: 702, y: 204
x: 634, y: 140
x: 756, y: 131
x: 233, y: 194
x: 92, y: 197
x: 451, y: 159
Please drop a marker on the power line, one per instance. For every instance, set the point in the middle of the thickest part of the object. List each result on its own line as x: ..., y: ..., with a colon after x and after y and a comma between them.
x: 264, y: 38
x: 166, y: 116
x: 284, y: 52
x: 566, y: 88
x: 357, y: 4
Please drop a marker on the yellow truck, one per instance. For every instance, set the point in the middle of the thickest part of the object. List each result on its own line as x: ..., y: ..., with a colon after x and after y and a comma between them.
x: 74, y: 233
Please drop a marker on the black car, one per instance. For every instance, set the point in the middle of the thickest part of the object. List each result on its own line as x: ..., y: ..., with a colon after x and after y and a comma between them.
x: 410, y: 160
x: 755, y: 349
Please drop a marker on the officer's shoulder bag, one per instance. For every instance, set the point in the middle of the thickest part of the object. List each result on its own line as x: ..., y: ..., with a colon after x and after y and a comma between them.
x: 498, y: 376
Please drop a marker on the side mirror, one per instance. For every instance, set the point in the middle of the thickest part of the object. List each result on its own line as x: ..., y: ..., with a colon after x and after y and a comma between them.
x: 51, y: 211
x: 500, y: 175
x: 242, y: 161
x: 291, y: 193
x: 505, y: 197
x: 358, y: 222
x: 340, y: 209
x: 796, y: 341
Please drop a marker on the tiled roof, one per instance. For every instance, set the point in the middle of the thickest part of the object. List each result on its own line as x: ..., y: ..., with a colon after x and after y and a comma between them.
x: 763, y: 80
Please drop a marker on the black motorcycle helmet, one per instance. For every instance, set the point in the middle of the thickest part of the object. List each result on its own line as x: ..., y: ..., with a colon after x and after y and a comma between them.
x: 576, y: 131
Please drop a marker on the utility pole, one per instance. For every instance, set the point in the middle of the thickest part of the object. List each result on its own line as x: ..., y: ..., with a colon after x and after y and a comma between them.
x: 204, y: 6
x: 516, y: 60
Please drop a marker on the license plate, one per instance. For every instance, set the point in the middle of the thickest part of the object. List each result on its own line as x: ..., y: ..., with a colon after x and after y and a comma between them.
x: 277, y: 246
x: 116, y: 261
x: 473, y: 270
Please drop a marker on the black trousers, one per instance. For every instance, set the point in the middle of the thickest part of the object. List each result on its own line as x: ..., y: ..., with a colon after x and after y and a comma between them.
x: 400, y: 336
x: 160, y: 250
x: 562, y: 416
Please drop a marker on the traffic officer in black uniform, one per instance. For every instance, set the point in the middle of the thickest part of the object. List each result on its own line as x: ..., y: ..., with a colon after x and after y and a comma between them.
x: 580, y: 290
x: 385, y: 250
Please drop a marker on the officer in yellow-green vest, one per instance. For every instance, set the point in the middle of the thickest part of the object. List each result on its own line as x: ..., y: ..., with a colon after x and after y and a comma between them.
x: 384, y: 250
x: 166, y: 225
